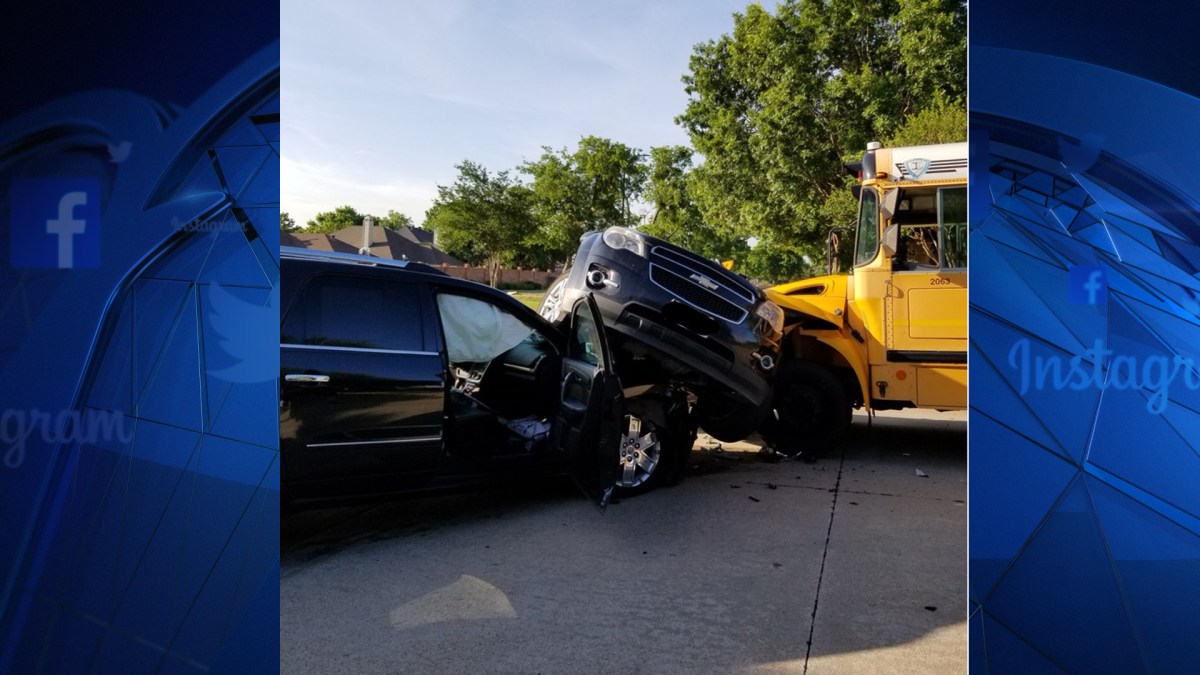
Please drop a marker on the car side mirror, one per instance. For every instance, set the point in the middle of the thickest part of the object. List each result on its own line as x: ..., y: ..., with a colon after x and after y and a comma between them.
x: 891, y: 240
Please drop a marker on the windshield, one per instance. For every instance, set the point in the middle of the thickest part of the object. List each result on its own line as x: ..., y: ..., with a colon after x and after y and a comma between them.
x: 932, y: 226
x: 867, y: 241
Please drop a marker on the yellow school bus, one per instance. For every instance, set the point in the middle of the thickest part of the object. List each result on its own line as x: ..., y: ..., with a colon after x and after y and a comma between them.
x: 892, y: 333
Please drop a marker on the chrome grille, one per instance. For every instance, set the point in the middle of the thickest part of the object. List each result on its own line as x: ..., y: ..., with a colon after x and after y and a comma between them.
x: 683, y: 279
x: 685, y: 267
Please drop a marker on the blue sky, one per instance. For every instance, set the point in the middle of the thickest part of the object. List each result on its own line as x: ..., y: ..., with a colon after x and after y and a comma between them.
x: 381, y: 99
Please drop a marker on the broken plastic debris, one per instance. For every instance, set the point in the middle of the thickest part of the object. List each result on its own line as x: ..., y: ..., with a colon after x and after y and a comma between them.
x: 922, y: 474
x: 753, y: 498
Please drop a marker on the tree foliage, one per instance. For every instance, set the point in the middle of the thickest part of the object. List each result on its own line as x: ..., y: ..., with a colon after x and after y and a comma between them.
x: 776, y: 106
x: 613, y: 176
x: 286, y: 223
x: 482, y: 217
x: 561, y: 203
x: 675, y: 216
x: 347, y: 216
x: 944, y: 121
x: 394, y: 220
x: 589, y: 189
x: 332, y: 221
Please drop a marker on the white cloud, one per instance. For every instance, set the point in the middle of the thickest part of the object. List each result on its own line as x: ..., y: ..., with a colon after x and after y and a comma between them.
x: 313, y: 188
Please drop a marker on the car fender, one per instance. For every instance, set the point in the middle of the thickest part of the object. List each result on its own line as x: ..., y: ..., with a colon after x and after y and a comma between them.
x: 816, y: 310
x: 823, y: 298
x: 854, y: 355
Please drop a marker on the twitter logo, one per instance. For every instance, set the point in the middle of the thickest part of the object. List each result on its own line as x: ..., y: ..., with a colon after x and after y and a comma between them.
x: 248, y: 333
x: 1079, y: 157
x: 120, y: 152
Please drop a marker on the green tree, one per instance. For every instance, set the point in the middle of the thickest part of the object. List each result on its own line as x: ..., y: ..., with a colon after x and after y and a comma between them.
x: 614, y: 175
x: 944, y: 121
x: 933, y: 46
x: 561, y: 203
x: 395, y: 220
x: 779, y: 104
x: 286, y: 223
x: 337, y: 219
x: 589, y: 189
x: 675, y: 216
x: 482, y: 217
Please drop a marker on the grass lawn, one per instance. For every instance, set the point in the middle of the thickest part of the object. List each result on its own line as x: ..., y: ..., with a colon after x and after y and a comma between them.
x: 530, y: 298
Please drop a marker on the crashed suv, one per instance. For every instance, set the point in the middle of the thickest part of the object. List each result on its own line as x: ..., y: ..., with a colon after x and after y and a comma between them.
x: 675, y: 317
x: 395, y: 378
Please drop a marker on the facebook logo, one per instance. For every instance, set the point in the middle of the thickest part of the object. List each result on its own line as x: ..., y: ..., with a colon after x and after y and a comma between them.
x: 55, y: 223
x: 1089, y: 285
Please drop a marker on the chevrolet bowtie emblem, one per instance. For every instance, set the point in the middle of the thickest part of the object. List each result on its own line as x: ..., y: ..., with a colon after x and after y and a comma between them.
x: 704, y: 281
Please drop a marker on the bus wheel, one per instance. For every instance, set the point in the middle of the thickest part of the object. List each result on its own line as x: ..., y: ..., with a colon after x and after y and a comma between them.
x: 812, y: 407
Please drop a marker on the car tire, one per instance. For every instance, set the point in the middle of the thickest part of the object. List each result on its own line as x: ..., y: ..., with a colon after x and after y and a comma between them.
x: 811, y: 409
x: 665, y: 418
x: 729, y: 420
x: 551, y: 307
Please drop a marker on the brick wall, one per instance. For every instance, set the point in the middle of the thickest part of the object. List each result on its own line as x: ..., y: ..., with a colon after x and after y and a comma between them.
x: 507, y: 276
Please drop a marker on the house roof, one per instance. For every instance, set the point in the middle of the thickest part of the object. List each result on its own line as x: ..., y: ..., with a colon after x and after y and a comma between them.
x: 406, y: 243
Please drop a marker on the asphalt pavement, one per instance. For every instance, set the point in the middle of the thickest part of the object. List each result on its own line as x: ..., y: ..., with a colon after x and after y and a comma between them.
x: 854, y: 564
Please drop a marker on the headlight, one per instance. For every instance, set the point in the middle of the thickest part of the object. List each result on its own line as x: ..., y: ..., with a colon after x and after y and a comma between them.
x: 624, y: 238
x: 772, y: 314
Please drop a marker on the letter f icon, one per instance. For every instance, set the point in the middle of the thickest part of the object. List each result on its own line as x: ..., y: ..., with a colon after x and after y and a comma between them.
x: 1092, y: 286
x: 1089, y: 285
x: 66, y: 226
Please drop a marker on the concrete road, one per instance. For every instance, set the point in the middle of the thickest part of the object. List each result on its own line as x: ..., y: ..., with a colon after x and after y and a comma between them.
x: 855, y: 564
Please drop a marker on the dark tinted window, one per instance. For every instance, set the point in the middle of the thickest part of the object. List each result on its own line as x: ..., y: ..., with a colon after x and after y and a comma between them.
x: 341, y: 311
x: 585, y: 336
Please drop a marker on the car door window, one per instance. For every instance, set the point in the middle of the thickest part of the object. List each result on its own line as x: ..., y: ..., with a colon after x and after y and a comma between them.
x: 356, y: 313
x: 585, y: 337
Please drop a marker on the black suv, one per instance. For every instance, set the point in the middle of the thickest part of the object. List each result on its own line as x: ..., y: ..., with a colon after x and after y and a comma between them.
x: 676, y: 317
x: 395, y: 377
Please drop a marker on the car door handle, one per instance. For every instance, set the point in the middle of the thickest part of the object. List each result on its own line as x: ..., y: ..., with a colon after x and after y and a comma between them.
x: 566, y: 385
x: 308, y: 378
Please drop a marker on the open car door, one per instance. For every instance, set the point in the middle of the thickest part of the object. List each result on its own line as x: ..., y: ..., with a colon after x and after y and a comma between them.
x: 587, y: 429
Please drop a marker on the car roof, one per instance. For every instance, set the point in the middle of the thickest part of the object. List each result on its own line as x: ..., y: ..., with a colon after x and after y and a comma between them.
x: 436, y: 277
x: 297, y: 253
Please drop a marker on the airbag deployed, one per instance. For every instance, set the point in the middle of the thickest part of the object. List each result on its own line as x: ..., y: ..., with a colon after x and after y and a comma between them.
x: 477, y: 331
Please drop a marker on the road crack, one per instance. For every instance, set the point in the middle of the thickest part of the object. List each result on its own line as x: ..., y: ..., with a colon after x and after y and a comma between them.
x: 824, y: 555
